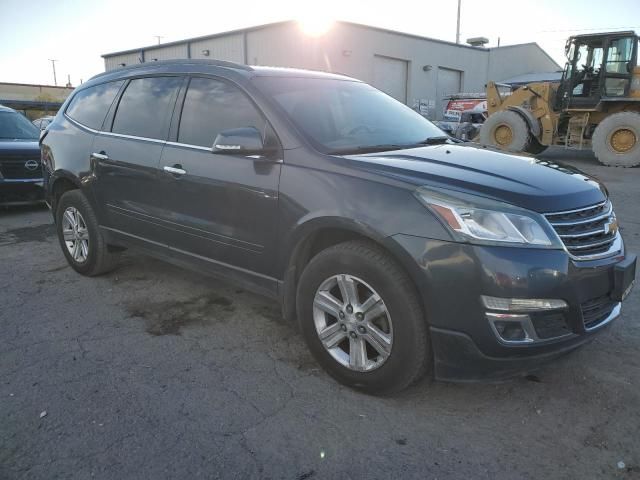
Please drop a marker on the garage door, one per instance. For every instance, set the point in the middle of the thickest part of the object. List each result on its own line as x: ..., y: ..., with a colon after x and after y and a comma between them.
x: 390, y: 76
x: 449, y: 82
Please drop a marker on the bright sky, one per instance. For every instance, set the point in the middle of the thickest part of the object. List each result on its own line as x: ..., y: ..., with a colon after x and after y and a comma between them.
x: 76, y: 32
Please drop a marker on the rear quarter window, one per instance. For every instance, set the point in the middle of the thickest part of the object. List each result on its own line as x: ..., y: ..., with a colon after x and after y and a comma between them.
x: 90, y: 105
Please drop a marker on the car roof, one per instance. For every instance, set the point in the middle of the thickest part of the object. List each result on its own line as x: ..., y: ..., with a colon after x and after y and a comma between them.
x: 6, y: 109
x: 209, y: 67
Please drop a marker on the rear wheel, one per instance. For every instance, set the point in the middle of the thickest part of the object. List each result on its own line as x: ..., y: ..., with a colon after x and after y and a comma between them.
x: 80, y: 237
x: 616, y: 140
x: 505, y: 130
x: 362, y: 319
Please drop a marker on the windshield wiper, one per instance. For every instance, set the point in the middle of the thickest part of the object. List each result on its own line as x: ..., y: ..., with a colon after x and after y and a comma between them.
x: 368, y: 149
x: 435, y: 140
x: 388, y: 146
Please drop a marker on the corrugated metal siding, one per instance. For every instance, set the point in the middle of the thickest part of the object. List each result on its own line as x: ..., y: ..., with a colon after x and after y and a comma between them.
x: 111, y: 63
x: 166, y: 53
x: 350, y: 49
x: 229, y: 48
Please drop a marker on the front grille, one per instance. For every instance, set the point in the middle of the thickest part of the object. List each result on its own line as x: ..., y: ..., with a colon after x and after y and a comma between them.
x: 13, y: 169
x: 595, y: 311
x: 586, y: 231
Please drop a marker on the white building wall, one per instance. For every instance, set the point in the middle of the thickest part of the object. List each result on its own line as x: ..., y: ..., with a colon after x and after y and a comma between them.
x: 111, y: 63
x: 229, y: 48
x: 350, y: 49
x: 170, y: 52
x: 509, y: 61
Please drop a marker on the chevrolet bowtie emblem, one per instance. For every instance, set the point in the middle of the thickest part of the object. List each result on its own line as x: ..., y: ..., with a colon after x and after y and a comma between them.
x: 611, y: 226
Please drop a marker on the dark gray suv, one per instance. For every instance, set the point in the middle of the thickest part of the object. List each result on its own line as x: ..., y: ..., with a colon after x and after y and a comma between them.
x: 398, y: 251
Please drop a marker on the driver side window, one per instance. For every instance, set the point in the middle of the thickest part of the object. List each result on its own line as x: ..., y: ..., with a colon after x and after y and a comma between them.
x: 211, y: 106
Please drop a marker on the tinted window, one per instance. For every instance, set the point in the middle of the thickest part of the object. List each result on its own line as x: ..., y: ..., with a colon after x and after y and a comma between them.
x: 145, y: 107
x: 210, y: 107
x: 340, y: 116
x: 90, y: 106
x: 14, y: 126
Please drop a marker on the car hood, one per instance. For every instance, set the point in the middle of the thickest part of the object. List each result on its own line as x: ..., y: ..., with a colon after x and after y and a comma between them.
x: 521, y: 180
x: 19, y: 148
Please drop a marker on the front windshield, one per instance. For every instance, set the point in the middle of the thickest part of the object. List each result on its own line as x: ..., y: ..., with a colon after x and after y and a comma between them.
x: 340, y: 116
x: 14, y: 126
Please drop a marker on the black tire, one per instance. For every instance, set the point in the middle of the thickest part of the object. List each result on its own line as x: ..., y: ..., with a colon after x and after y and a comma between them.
x: 603, y: 140
x: 535, y: 147
x: 505, y: 130
x: 98, y: 259
x: 410, y: 355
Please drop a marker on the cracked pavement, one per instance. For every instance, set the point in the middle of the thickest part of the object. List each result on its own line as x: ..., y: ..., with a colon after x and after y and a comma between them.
x: 156, y: 372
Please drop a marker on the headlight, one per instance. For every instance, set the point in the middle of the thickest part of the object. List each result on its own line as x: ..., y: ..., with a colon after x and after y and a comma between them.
x: 477, y: 219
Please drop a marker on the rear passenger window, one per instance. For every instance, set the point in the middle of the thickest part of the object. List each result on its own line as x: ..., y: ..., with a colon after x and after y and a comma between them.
x: 90, y: 106
x: 145, y: 107
x: 210, y: 107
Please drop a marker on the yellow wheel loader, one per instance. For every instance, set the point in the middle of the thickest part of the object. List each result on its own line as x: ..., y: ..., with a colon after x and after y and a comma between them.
x: 595, y: 105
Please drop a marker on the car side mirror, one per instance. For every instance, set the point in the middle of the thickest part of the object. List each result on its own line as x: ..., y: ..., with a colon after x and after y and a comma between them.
x: 239, y: 141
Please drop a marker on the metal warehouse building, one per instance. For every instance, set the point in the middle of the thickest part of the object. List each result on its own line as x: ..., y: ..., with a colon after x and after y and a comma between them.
x: 418, y: 71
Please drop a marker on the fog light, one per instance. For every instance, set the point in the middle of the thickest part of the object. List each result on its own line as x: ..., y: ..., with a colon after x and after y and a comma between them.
x: 522, y: 304
x: 510, y: 331
x: 512, y: 328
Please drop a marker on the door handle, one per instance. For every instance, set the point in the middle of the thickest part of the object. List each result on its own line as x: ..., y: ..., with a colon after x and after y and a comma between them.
x: 175, y: 170
x: 100, y: 156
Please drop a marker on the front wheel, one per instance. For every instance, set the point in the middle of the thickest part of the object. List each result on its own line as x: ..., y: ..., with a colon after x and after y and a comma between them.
x: 362, y: 319
x: 616, y: 140
x: 506, y: 130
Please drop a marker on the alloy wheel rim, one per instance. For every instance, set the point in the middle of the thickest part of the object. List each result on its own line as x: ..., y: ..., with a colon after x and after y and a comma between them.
x: 75, y: 234
x: 353, y: 323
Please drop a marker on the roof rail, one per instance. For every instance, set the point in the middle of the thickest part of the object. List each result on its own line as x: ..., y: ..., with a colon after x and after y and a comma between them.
x: 185, y: 61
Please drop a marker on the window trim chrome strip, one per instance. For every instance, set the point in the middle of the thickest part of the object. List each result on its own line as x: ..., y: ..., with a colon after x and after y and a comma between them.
x: 188, y: 145
x: 113, y: 134
x: 77, y: 123
x: 21, y: 180
x: 132, y: 137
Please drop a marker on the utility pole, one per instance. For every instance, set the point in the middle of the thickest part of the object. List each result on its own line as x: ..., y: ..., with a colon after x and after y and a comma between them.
x: 159, y: 37
x: 458, y: 23
x: 53, y: 64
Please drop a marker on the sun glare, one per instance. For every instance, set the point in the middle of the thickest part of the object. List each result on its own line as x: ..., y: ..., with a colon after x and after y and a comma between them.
x: 315, y: 25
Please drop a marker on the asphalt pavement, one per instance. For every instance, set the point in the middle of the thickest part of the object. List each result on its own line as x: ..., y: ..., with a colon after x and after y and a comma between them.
x: 156, y: 372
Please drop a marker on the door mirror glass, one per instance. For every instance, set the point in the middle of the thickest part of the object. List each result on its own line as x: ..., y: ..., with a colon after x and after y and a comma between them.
x: 239, y: 141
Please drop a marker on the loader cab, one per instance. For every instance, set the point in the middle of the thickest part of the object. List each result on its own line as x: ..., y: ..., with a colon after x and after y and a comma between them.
x: 599, y: 67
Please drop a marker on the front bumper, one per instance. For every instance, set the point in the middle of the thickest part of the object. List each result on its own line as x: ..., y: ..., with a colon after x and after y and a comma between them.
x: 452, y: 277
x: 21, y: 191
